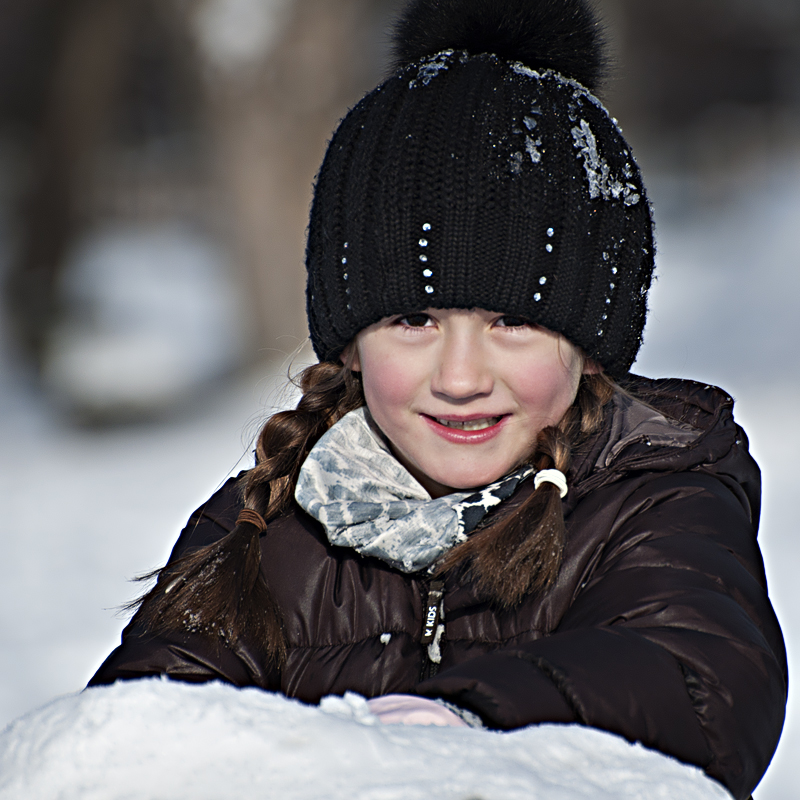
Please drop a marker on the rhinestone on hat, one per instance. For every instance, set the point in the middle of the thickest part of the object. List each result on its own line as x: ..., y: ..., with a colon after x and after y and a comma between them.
x: 344, y: 261
x: 427, y: 272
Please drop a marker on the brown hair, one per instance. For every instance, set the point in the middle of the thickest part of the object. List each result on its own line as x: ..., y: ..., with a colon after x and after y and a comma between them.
x: 219, y: 590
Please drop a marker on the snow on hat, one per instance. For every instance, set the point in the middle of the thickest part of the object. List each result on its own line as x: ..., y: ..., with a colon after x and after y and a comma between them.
x: 485, y: 173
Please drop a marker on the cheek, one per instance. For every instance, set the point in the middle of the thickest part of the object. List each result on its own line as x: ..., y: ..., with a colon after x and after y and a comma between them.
x: 548, y: 393
x: 387, y: 381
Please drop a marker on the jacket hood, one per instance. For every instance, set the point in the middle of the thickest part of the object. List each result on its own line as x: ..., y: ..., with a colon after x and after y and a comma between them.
x: 667, y: 425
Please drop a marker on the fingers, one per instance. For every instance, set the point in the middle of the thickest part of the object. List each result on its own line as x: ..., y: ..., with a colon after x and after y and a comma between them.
x: 408, y: 709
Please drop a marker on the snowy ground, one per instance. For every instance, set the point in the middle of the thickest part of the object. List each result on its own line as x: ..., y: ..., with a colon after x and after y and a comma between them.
x: 216, y: 741
x: 85, y: 510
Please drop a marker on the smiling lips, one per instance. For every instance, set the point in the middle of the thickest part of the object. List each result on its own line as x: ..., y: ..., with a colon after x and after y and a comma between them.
x: 471, y: 430
x: 469, y: 424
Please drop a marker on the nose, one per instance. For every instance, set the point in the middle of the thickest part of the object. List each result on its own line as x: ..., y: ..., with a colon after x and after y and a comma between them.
x: 463, y: 368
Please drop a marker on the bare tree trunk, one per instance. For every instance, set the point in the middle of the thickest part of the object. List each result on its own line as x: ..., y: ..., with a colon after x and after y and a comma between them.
x: 91, y: 49
x: 271, y: 122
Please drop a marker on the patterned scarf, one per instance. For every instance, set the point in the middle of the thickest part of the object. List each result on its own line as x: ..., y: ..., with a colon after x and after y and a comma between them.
x: 366, y: 499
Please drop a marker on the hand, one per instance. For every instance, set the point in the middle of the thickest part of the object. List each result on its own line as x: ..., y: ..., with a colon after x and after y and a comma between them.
x: 409, y: 709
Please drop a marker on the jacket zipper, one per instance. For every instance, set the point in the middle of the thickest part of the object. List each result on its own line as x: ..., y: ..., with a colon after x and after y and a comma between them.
x: 432, y: 629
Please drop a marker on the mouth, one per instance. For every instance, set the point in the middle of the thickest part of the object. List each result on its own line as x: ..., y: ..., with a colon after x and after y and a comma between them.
x: 468, y: 424
x: 467, y: 429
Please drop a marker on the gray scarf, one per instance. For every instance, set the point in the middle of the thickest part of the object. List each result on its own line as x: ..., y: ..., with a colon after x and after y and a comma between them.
x: 366, y: 499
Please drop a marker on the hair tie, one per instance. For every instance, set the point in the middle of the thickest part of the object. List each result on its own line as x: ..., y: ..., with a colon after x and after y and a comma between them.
x: 252, y: 518
x: 554, y: 476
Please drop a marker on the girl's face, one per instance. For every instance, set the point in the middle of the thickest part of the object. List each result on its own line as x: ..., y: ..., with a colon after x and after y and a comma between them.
x: 463, y: 394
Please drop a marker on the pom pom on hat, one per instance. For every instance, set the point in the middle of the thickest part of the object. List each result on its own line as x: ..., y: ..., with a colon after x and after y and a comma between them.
x: 562, y: 35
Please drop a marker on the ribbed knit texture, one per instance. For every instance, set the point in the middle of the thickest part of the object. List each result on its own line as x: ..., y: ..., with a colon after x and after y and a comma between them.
x: 473, y: 182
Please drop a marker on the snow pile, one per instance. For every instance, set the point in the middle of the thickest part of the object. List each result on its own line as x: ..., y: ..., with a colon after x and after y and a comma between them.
x: 151, y: 316
x: 162, y: 739
x: 237, y: 33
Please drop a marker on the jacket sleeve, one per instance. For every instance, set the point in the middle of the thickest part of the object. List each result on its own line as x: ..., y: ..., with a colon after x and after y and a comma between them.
x: 183, y: 655
x: 670, y: 640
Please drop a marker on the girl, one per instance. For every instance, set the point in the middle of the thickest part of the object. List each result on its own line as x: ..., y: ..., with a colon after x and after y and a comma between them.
x: 475, y: 513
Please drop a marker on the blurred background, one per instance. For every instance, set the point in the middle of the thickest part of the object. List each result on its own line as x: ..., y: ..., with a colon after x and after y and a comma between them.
x: 156, y: 162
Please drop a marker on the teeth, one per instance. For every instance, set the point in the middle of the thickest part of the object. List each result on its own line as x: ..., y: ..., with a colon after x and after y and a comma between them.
x: 470, y: 425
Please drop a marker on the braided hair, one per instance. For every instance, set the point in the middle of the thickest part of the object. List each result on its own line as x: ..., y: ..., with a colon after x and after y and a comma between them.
x: 219, y: 590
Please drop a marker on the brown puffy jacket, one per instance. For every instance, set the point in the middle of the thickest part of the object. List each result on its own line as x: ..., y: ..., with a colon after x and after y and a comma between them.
x: 658, y: 629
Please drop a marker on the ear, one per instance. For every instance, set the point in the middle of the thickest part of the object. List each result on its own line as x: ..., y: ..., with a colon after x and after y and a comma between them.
x: 349, y: 357
x: 591, y: 367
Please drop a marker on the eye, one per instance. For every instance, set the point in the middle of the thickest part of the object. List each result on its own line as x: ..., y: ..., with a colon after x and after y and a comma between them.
x: 507, y: 321
x: 415, y: 320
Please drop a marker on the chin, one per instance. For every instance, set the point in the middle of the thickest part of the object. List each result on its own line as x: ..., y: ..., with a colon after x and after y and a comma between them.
x: 465, y: 481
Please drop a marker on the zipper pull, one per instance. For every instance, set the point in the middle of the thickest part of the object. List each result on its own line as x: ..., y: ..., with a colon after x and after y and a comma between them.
x: 432, y: 613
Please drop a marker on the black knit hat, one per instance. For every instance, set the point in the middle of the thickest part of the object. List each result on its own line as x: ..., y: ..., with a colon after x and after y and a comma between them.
x: 470, y: 179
